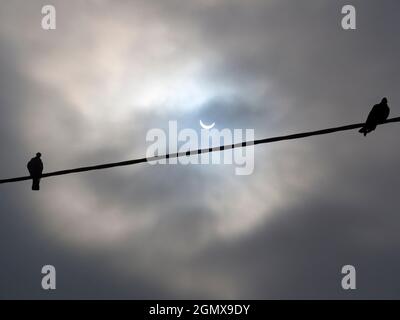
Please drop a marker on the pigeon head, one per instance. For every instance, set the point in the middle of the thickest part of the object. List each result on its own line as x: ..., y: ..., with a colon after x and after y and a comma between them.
x: 384, y: 100
x: 38, y: 154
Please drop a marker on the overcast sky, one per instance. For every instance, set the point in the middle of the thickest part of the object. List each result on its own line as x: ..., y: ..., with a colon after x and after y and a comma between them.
x: 89, y: 91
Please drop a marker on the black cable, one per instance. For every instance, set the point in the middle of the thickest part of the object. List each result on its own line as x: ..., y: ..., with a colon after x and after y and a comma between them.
x: 198, y: 151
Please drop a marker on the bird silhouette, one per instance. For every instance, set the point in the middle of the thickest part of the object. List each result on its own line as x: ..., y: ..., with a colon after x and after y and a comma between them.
x: 35, y: 168
x: 379, y: 113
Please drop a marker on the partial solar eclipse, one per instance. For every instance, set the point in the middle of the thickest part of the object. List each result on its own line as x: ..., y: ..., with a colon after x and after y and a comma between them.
x: 207, y: 127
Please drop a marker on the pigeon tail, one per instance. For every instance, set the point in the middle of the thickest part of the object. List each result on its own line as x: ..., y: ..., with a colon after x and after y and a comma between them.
x: 36, y: 184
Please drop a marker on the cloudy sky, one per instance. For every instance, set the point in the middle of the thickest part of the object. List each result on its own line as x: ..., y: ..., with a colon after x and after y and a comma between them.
x: 89, y: 92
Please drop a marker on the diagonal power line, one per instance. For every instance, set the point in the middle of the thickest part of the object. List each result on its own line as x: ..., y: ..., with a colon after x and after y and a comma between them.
x: 199, y: 151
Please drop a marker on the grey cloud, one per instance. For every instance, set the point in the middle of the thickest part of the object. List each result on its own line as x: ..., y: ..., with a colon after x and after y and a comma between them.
x: 314, y: 204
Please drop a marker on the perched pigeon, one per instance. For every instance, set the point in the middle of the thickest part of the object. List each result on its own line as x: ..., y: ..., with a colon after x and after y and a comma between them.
x: 35, y: 168
x: 379, y: 113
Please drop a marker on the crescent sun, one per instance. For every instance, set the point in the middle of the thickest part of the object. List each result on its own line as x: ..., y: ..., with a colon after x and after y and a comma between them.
x: 207, y: 127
